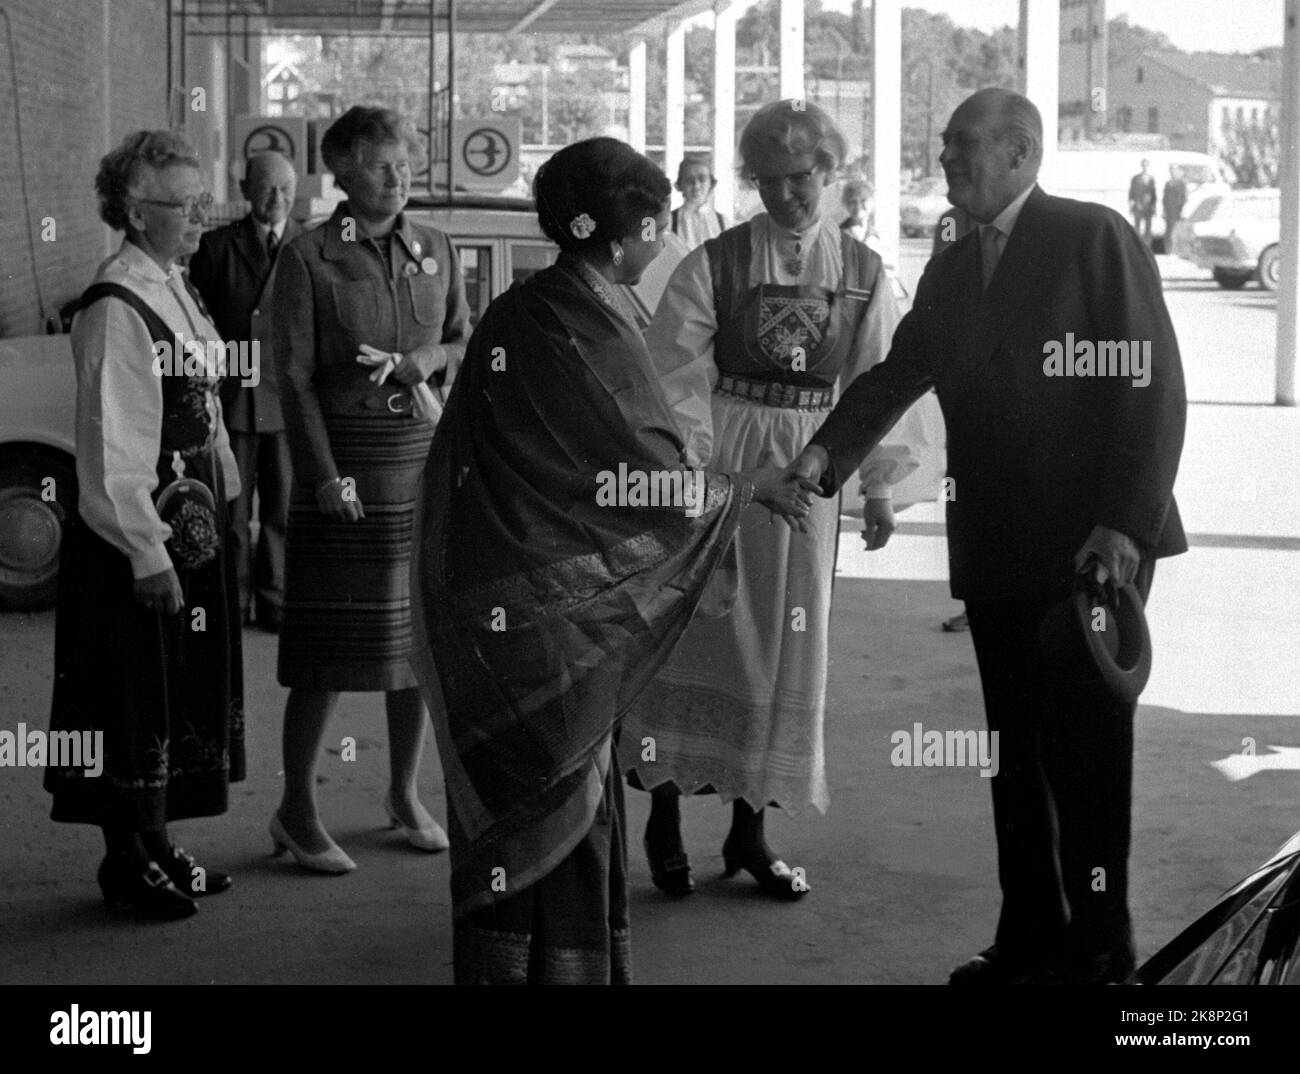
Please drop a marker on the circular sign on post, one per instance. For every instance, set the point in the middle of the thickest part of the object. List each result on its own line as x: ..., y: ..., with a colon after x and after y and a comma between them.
x: 486, y: 152
x: 268, y: 137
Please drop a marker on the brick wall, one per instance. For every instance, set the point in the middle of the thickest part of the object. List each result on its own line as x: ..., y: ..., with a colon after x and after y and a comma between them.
x: 82, y: 86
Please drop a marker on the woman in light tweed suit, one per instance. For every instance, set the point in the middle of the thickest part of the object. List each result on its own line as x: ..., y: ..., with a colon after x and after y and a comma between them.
x: 368, y: 282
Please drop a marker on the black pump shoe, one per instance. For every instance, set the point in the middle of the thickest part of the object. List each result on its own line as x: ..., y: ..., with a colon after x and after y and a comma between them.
x: 150, y: 890
x: 180, y: 867
x: 671, y: 873
x: 773, y: 876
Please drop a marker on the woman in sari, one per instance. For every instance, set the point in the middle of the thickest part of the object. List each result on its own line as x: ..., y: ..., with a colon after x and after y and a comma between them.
x: 751, y: 337
x: 561, y: 549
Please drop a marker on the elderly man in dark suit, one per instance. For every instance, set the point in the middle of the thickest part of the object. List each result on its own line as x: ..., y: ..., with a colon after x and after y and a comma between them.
x: 1054, y: 468
x: 232, y: 270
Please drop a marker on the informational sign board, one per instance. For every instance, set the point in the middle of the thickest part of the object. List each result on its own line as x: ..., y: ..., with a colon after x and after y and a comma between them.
x: 485, y: 153
x: 284, y: 134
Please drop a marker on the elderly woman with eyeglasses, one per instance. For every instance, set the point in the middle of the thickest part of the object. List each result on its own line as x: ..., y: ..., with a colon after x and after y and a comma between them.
x: 370, y: 327
x: 755, y: 332
x: 147, y: 657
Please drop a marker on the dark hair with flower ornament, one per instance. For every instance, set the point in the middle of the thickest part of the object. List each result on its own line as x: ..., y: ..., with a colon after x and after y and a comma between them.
x: 597, y: 191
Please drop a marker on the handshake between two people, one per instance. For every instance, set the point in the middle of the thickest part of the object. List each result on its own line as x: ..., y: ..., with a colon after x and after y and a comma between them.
x: 788, y: 492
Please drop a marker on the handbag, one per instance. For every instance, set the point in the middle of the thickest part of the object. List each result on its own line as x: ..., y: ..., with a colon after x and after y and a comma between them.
x: 188, y: 507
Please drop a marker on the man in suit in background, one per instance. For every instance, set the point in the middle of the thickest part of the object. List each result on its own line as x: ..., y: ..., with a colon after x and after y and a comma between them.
x: 1142, y: 200
x: 232, y: 270
x: 1050, y: 472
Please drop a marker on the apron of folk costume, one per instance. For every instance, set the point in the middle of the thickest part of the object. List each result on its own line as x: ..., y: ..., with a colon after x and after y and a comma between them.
x: 739, y: 708
x: 166, y: 693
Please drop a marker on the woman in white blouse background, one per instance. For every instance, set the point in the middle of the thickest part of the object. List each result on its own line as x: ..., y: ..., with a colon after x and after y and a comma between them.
x: 755, y: 331
x: 696, y: 220
x: 147, y: 637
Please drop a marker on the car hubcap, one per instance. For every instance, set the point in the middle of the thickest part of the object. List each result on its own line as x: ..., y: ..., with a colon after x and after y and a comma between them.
x: 30, y: 533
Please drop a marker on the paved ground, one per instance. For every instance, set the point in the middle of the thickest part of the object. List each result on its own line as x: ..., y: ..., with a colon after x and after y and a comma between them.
x: 902, y: 868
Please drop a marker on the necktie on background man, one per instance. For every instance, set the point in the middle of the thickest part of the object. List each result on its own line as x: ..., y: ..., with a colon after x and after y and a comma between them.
x: 990, y: 252
x: 272, y: 245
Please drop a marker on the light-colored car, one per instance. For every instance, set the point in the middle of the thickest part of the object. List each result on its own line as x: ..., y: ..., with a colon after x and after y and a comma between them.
x: 1236, y: 235
x: 921, y: 205
x: 497, y: 243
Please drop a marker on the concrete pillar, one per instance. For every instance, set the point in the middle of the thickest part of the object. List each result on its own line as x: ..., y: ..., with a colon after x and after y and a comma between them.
x: 674, y: 98
x: 1288, y: 292
x: 886, y: 120
x: 1040, y: 63
x: 636, y: 56
x: 792, y: 49
x: 724, y: 107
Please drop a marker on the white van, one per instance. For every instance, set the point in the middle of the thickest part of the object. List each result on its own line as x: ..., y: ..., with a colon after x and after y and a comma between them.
x: 1103, y: 175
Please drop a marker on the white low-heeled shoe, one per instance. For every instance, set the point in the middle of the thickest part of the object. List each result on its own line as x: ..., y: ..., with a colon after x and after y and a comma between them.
x: 432, y: 838
x: 330, y: 860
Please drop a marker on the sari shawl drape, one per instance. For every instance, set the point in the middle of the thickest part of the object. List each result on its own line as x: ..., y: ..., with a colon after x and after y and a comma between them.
x: 540, y: 614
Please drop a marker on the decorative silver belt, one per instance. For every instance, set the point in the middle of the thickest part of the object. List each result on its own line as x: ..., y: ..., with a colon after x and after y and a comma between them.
x: 773, y: 393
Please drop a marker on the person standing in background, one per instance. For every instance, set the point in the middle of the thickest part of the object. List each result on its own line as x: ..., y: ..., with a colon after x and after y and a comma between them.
x: 696, y: 221
x: 1175, y: 200
x: 1142, y: 201
x: 232, y: 271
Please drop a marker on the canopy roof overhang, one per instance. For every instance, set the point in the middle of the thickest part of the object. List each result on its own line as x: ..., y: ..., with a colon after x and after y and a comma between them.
x: 412, y: 17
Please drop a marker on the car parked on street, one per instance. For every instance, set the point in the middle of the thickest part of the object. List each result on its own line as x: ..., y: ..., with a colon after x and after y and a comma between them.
x: 1235, y: 235
x: 921, y: 205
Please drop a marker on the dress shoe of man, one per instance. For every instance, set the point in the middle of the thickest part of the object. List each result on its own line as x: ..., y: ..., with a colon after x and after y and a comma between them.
x: 992, y: 968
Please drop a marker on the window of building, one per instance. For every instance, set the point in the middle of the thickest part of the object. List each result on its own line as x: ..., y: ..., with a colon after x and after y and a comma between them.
x: 1139, y: 74
x: 1153, y: 120
x: 1125, y: 119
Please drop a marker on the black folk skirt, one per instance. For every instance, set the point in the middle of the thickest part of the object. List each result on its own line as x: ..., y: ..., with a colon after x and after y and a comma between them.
x: 166, y: 691
x: 347, y: 603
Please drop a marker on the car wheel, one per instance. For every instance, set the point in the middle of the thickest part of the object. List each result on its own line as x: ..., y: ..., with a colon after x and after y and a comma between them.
x: 1270, y: 268
x: 38, y: 493
x: 1231, y: 281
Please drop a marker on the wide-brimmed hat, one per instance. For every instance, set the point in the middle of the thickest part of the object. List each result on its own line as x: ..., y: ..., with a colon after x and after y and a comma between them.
x: 1098, y: 634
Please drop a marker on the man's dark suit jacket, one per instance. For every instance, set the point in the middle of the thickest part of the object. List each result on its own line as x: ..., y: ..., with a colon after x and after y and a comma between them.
x: 231, y: 270
x: 1036, y: 461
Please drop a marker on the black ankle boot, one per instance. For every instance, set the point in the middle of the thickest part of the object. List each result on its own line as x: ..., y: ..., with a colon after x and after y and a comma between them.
x: 746, y: 848
x: 670, y: 869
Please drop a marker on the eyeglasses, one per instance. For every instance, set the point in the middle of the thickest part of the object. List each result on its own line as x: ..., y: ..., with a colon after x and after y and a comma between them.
x: 195, y: 204
x: 797, y: 180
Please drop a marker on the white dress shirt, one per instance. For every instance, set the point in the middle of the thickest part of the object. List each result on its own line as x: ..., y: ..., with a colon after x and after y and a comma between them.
x: 120, y: 407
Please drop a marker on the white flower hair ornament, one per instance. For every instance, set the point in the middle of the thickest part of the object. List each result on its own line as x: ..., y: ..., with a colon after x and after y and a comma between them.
x: 582, y: 226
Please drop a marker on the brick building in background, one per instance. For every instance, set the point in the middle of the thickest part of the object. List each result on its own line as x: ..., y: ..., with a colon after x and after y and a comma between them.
x: 87, y: 74
x: 1197, y: 100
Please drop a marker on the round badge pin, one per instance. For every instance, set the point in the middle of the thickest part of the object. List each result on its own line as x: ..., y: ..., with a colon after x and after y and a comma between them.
x: 429, y: 265
x: 410, y: 269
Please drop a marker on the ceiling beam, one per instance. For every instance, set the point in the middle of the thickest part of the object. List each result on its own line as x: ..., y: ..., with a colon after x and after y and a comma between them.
x: 541, y: 9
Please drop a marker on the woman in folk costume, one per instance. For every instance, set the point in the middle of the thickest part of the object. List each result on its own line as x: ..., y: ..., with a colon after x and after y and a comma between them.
x: 544, y: 599
x: 755, y: 330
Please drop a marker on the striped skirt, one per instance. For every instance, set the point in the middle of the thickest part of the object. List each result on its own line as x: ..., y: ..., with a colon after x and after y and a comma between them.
x: 347, y: 609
